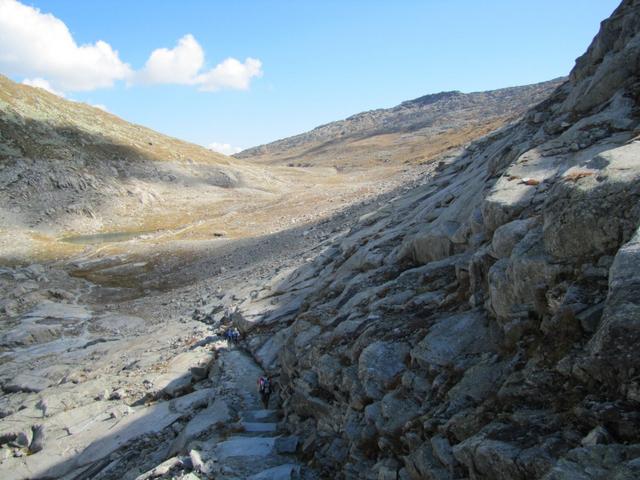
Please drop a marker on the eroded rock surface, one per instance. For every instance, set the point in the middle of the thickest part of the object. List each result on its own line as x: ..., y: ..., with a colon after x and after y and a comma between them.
x: 485, y: 324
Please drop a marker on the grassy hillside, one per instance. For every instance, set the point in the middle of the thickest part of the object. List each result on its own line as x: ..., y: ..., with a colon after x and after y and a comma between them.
x: 36, y: 123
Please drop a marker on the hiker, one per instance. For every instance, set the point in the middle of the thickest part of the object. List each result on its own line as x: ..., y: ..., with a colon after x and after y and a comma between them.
x: 232, y: 335
x: 235, y: 335
x: 264, y: 387
x: 227, y: 334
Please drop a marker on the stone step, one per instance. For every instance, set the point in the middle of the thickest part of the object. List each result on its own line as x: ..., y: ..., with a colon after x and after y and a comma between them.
x: 281, y: 472
x: 245, y: 447
x: 259, y: 426
x: 259, y: 415
x: 240, y: 446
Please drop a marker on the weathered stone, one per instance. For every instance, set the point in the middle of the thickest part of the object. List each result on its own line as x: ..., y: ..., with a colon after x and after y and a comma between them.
x: 599, y: 435
x: 216, y: 414
x: 613, y: 348
x: 38, y: 440
x: 193, y: 401
x: 501, y: 392
x: 287, y: 471
x: 435, y: 243
x: 518, y: 281
x: 286, y: 444
x: 508, y: 235
x: 162, y: 469
x: 24, y: 438
x: 421, y: 464
x: 477, y: 383
x: 489, y: 458
x: 245, y: 447
x: 505, y: 202
x: 25, y: 382
x: 30, y: 334
x: 618, y: 462
x: 119, y: 324
x: 379, y: 365
x: 182, y: 371
x: 59, y: 311
x: 442, y: 451
x: 598, y: 212
x: 454, y: 338
x: 196, y: 460
x: 395, y: 411
x: 268, y: 353
x: 253, y: 427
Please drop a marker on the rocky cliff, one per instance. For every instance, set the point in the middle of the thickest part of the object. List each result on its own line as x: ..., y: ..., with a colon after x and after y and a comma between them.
x: 484, y: 325
x: 414, y: 131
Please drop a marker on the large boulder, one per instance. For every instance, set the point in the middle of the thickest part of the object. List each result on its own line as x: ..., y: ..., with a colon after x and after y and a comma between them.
x: 593, y: 210
x: 396, y: 409
x: 422, y: 464
x: 454, y: 339
x: 508, y: 235
x: 517, y: 283
x: 379, y: 365
x: 183, y: 370
x: 502, y: 451
x: 613, y: 356
x: 598, y: 462
x: 610, y: 63
x: 507, y: 199
x: 435, y: 243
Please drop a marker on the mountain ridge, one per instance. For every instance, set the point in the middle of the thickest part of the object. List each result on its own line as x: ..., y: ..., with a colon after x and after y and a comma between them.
x: 430, y: 119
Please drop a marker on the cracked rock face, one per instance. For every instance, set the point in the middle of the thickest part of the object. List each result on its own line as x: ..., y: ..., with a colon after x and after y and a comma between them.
x: 485, y: 324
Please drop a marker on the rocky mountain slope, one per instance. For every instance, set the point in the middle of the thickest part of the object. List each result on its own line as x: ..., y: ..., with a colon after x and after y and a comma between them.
x: 109, y: 235
x: 484, y: 325
x: 412, y: 132
x: 480, y: 322
x: 58, y: 153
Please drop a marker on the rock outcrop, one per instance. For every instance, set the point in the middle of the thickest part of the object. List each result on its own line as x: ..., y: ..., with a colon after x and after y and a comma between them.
x: 485, y: 324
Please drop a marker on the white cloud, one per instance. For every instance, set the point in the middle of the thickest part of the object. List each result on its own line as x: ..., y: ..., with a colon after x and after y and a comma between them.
x: 43, y: 84
x: 39, y: 46
x: 231, y: 73
x: 100, y: 106
x: 224, y: 148
x: 180, y: 65
x: 35, y: 44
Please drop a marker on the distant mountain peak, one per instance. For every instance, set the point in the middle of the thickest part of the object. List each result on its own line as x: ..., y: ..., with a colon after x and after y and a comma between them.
x: 431, y: 98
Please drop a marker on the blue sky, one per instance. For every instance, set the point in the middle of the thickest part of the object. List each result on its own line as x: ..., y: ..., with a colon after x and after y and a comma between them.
x: 297, y: 64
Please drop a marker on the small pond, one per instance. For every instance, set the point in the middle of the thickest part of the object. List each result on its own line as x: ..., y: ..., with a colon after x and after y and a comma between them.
x: 97, y: 238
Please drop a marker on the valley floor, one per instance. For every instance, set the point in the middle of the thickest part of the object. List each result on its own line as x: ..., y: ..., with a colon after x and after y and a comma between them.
x: 111, y: 353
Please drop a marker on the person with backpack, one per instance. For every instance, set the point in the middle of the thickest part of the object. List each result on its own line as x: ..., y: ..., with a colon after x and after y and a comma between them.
x: 227, y: 334
x: 232, y: 335
x: 264, y: 388
x: 235, y: 335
